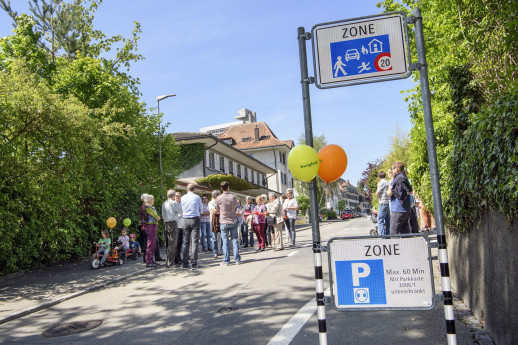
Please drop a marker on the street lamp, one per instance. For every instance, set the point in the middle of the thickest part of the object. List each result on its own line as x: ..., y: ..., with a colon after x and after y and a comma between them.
x: 158, y: 99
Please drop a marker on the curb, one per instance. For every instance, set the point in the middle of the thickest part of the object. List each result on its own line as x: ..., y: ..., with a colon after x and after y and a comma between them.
x: 49, y: 304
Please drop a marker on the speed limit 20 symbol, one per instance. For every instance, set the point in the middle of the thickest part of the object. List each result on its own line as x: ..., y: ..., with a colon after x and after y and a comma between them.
x: 383, y: 62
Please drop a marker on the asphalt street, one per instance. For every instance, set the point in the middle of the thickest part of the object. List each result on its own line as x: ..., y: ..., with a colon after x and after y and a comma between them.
x: 266, y: 300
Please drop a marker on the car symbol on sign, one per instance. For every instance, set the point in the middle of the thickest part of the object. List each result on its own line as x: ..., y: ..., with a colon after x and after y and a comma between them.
x: 352, y: 54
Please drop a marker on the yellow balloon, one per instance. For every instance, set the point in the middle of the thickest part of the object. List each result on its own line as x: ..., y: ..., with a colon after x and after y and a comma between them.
x: 303, y: 162
x: 111, y: 222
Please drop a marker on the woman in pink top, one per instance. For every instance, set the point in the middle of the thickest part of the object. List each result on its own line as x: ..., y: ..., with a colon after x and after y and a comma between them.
x: 259, y: 222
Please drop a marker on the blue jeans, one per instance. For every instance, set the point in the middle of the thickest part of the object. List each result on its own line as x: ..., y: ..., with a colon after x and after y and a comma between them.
x: 104, y: 251
x: 384, y: 219
x: 225, y: 230
x: 205, y: 235
x: 245, y: 234
x: 290, y: 230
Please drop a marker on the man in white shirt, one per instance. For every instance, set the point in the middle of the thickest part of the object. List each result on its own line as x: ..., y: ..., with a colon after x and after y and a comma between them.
x: 290, y: 206
x: 383, y: 208
x: 191, y: 211
x: 171, y: 212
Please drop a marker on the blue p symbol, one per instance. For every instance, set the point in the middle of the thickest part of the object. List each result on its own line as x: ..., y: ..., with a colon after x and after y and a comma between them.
x: 360, y: 282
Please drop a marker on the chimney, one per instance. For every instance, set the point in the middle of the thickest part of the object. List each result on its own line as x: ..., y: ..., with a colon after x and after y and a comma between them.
x: 256, y: 132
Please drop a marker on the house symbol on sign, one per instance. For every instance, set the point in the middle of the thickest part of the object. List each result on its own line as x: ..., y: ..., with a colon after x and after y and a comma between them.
x: 375, y: 46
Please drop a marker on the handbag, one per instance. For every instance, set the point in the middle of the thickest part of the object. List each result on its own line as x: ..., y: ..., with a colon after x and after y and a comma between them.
x: 271, y: 219
x: 215, y: 223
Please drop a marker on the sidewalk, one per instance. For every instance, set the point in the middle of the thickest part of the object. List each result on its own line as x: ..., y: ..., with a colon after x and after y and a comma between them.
x: 24, y: 293
x: 27, y: 292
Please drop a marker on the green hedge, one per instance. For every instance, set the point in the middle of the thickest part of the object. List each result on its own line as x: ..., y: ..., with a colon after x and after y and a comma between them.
x: 483, y: 165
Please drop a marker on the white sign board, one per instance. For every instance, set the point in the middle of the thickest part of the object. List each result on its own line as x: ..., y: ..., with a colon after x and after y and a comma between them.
x: 381, y: 273
x: 361, y: 50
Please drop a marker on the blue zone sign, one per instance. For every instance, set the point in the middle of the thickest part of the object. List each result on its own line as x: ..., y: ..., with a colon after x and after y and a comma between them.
x: 361, y: 56
x: 360, y: 282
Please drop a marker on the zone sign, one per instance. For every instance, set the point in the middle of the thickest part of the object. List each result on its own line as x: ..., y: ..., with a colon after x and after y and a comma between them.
x: 361, y: 50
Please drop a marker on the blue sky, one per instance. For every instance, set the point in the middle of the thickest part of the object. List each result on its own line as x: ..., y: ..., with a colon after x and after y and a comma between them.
x: 221, y: 56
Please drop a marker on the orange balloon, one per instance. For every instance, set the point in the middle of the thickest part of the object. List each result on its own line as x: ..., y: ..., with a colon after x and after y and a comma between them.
x: 333, y: 162
x: 111, y: 222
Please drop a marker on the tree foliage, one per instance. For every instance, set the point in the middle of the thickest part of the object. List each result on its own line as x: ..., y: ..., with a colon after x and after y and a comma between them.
x: 304, y: 204
x: 77, y: 147
x: 323, y: 189
x: 398, y: 150
x: 472, y: 82
x: 341, y: 205
x: 236, y: 183
x: 191, y: 154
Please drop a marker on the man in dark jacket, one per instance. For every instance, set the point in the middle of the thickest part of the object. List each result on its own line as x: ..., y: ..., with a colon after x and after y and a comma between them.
x: 399, y: 192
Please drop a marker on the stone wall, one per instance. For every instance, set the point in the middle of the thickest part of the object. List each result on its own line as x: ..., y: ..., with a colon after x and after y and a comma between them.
x: 484, y: 272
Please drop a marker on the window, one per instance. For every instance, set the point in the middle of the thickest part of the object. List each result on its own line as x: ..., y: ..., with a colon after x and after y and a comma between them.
x: 239, y: 170
x: 252, y: 175
x: 246, y: 173
x: 246, y: 139
x: 258, y: 178
x: 212, y: 163
x: 222, y: 164
x: 265, y: 183
x: 283, y: 178
x: 283, y: 158
x: 231, y: 167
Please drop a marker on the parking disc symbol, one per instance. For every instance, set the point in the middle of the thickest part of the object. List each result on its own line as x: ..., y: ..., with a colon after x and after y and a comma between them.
x: 361, y: 295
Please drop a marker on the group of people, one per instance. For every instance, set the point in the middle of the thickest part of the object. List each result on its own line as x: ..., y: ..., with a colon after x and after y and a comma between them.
x: 397, y: 211
x: 190, y: 220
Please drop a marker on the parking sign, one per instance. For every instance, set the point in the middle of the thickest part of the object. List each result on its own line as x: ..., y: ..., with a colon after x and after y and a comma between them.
x: 381, y: 273
x: 361, y: 50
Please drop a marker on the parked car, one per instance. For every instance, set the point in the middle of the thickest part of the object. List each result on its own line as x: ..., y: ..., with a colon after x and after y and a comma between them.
x: 347, y: 214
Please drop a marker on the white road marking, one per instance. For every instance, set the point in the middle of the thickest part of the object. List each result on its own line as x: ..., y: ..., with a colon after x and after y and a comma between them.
x: 293, y: 326
x: 293, y: 253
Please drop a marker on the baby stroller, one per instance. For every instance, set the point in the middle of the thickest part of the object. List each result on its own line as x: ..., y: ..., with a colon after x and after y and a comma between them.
x: 374, y: 218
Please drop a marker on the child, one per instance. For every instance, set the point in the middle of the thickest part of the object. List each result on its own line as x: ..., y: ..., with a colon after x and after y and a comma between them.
x: 104, y: 245
x: 124, y: 240
x: 134, y: 245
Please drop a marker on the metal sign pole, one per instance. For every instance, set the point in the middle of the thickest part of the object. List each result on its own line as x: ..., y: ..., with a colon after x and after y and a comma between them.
x: 302, y: 36
x: 434, y: 174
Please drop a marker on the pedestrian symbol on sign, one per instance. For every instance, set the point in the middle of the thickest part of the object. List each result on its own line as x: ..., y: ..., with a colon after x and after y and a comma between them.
x: 339, y: 66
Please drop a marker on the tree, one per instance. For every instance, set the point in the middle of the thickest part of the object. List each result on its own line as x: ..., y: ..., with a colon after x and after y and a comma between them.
x: 69, y: 27
x: 324, y: 189
x: 77, y: 147
x: 369, y: 179
x: 471, y: 82
x: 341, y: 205
x: 304, y: 204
